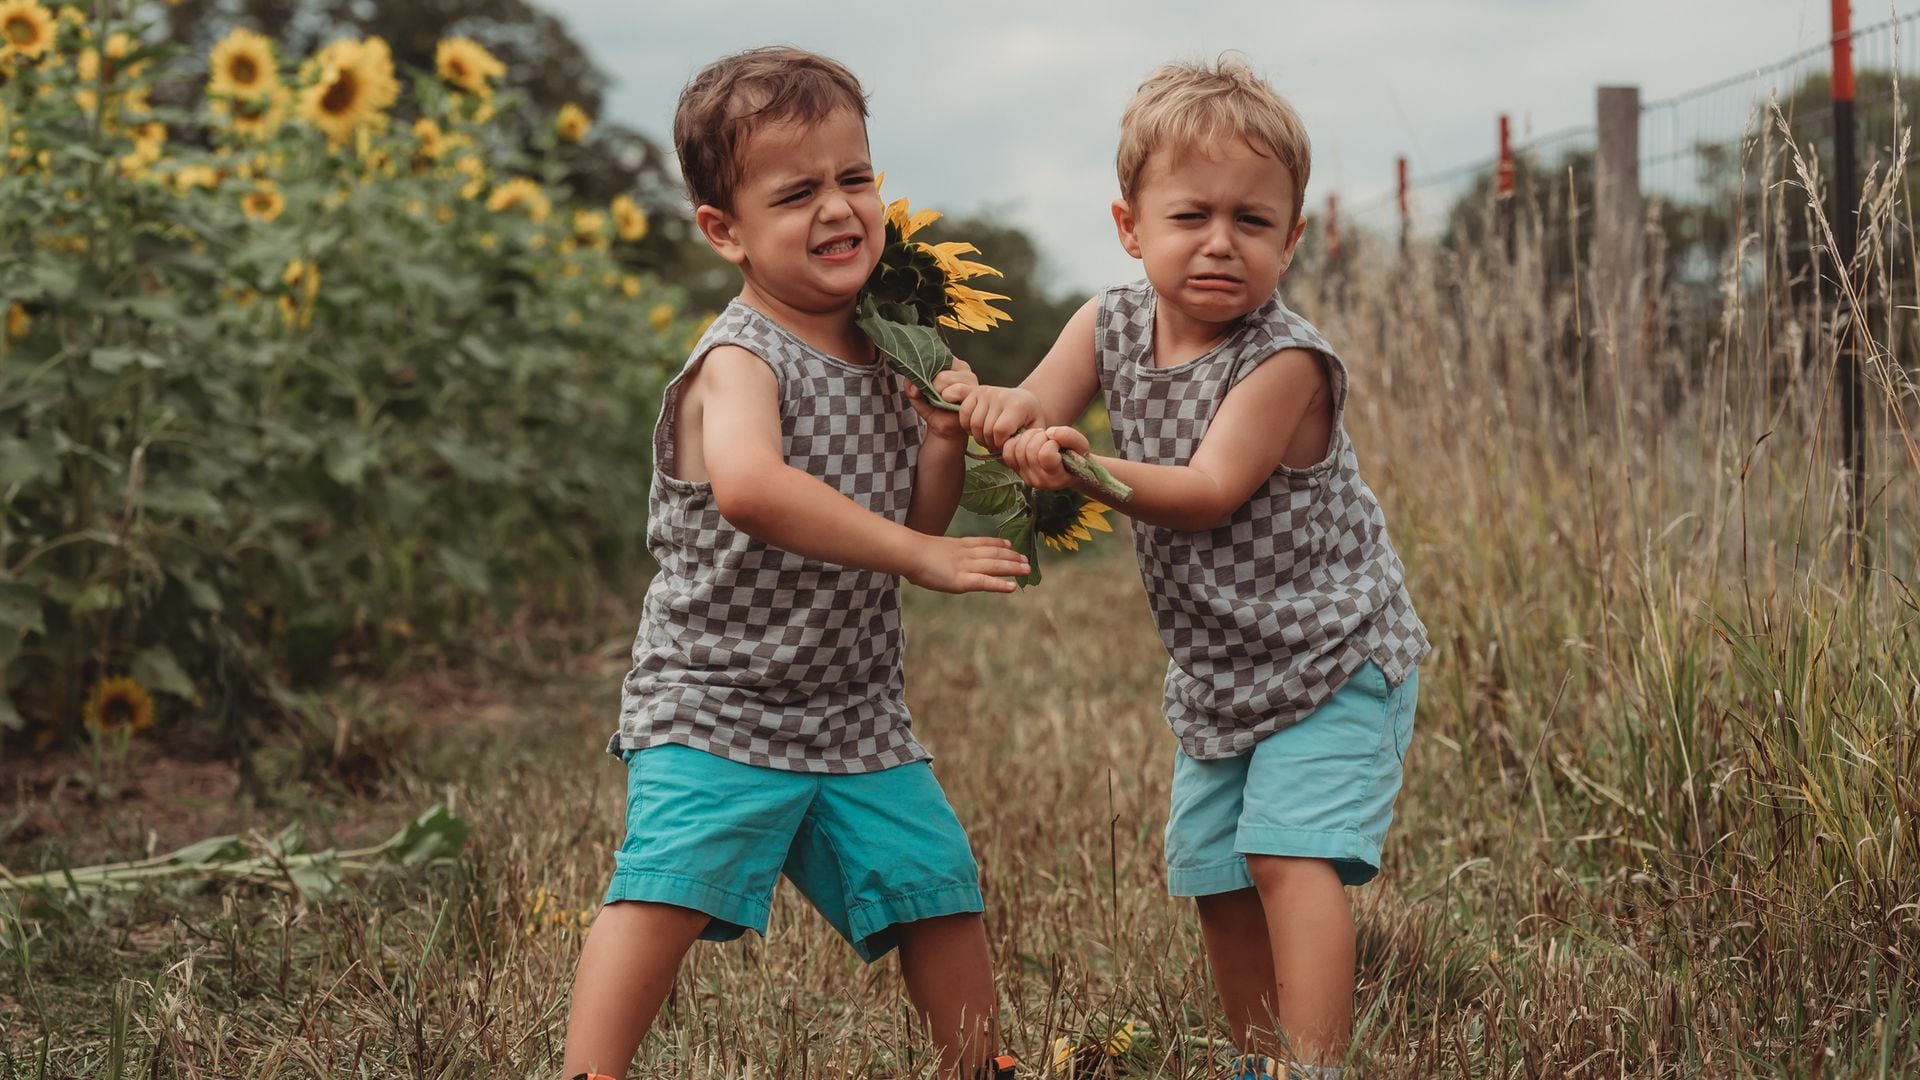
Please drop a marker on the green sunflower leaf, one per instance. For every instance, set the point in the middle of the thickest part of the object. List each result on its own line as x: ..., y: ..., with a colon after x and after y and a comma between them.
x: 991, y: 489
x: 1017, y: 529
x: 914, y: 351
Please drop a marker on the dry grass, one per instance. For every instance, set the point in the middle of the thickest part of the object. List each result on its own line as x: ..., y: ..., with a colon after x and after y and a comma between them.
x: 1660, y: 816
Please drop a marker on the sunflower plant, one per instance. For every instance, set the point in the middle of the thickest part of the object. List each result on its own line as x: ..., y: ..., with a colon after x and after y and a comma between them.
x: 918, y: 288
x: 334, y: 377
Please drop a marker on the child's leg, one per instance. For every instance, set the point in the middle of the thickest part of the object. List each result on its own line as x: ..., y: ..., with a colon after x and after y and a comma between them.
x: 883, y: 857
x: 949, y: 978
x: 625, y: 972
x: 1234, y: 927
x: 1311, y: 930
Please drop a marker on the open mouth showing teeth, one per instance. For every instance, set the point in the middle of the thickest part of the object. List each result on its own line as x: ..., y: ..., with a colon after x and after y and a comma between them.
x: 838, y: 247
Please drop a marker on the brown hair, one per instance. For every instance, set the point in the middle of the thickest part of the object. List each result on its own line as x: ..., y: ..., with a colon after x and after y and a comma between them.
x: 731, y: 97
x: 1184, y: 103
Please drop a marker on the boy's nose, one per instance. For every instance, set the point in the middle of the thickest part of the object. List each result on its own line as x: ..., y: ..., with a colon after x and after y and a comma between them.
x: 1218, y: 240
x: 835, y: 206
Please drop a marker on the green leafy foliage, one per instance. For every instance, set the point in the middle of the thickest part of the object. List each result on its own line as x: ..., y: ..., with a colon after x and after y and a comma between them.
x: 238, y: 449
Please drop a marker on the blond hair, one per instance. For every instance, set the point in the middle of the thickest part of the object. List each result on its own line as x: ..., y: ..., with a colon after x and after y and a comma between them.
x: 1182, y: 104
x: 731, y: 97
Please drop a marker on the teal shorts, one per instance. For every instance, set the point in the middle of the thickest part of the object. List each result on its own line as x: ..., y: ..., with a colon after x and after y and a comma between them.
x: 1322, y: 788
x: 868, y: 850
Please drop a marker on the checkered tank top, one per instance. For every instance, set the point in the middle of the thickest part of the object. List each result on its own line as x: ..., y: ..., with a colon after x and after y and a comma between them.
x: 1270, y: 613
x: 754, y: 653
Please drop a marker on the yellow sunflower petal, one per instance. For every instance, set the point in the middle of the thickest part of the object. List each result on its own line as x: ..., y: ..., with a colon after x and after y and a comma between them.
x: 26, y: 28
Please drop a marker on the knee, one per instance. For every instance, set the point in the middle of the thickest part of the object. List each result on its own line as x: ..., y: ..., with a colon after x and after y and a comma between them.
x: 1231, y: 912
x: 1280, y: 876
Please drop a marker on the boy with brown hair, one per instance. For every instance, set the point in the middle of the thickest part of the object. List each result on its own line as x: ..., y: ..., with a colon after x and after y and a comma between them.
x: 1294, y: 645
x: 763, y: 722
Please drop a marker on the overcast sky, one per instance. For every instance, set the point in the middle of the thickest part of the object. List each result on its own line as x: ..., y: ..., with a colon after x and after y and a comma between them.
x: 1016, y: 107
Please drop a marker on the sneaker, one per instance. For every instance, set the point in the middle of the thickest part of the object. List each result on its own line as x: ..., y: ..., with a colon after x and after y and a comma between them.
x: 1255, y: 1067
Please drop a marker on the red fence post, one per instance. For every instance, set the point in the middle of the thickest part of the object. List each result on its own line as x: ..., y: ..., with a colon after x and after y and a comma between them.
x: 1503, y: 185
x: 1406, y: 218
x: 1845, y: 216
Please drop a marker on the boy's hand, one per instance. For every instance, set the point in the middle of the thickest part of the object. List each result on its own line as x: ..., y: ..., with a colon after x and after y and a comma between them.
x: 952, y: 384
x: 1035, y: 455
x: 992, y: 414
x: 960, y: 564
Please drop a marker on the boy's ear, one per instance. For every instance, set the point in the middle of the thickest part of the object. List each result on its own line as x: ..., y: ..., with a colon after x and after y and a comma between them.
x: 1123, y: 222
x: 717, y: 228
x: 1293, y: 242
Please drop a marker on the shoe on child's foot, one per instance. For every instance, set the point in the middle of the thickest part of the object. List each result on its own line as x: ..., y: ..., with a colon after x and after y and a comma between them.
x: 1000, y: 1068
x: 591, y: 1076
x: 1256, y: 1067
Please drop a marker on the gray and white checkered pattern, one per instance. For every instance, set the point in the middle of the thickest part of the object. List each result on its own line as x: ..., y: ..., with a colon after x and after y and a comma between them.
x: 754, y: 653
x: 1269, y: 614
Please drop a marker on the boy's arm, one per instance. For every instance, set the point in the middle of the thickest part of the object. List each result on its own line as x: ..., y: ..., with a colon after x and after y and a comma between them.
x: 1245, y: 443
x: 942, y: 472
x: 1055, y: 392
x: 761, y: 495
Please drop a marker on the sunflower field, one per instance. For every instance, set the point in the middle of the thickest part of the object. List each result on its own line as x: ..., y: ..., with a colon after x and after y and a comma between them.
x: 323, y: 364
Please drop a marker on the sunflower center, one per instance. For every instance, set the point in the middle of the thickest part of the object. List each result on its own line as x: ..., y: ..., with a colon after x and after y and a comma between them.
x: 116, y: 712
x: 244, y: 70
x: 457, y: 70
x: 21, y: 31
x: 340, y: 97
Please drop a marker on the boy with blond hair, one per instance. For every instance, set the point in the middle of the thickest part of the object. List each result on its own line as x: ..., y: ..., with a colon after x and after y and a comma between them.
x: 763, y: 723
x: 1294, y: 645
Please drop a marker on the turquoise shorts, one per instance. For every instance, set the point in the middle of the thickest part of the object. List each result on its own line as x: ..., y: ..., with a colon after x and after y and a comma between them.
x: 868, y: 850
x: 1322, y: 788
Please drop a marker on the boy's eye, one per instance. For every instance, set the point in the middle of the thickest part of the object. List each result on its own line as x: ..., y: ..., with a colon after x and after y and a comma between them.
x: 794, y: 196
x: 857, y: 180
x: 1255, y: 220
x: 1189, y: 216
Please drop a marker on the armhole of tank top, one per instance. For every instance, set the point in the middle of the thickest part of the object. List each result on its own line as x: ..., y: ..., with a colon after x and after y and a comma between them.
x: 666, y: 447
x: 1336, y: 371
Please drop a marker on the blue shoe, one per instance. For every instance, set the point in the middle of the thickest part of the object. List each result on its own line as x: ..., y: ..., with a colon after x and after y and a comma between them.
x: 1255, y: 1067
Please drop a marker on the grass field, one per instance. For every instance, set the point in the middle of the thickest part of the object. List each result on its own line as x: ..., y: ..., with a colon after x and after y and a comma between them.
x: 1660, y: 815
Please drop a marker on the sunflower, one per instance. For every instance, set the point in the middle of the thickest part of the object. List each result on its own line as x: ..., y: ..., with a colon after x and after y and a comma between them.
x: 661, y: 316
x: 629, y: 221
x: 264, y: 202
x: 468, y: 66
x: 256, y: 118
x: 475, y: 170
x: 433, y: 141
x: 243, y: 66
x: 117, y: 703
x: 927, y: 278
x: 523, y: 195
x: 149, y: 143
x: 302, y: 279
x: 103, y: 67
x: 188, y: 177
x: 1064, y: 518
x: 589, y: 230
x: 573, y: 123
x: 19, y: 323
x: 352, y: 86
x: 630, y: 287
x: 26, y: 29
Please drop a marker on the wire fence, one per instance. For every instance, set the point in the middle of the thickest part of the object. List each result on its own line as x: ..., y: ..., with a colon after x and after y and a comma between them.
x: 1690, y: 142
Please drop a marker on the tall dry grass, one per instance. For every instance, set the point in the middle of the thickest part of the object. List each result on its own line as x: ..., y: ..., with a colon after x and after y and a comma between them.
x: 1660, y: 812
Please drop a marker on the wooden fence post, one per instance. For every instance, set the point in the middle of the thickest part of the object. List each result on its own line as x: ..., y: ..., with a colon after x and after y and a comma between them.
x: 1619, y: 239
